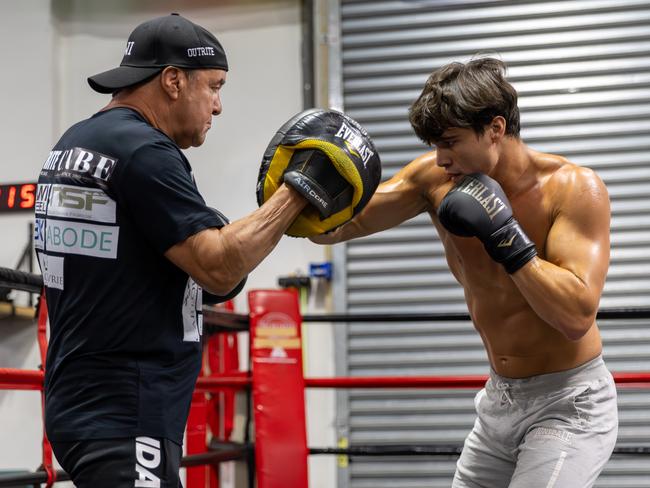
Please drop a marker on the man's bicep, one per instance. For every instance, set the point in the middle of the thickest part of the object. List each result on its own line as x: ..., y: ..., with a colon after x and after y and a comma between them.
x: 196, y: 254
x: 394, y: 202
x: 579, y: 237
x: 183, y: 254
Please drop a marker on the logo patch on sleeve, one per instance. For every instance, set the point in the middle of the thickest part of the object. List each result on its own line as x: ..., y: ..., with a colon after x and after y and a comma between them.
x: 51, y: 270
x: 192, y: 312
x: 39, y: 233
x: 42, y: 198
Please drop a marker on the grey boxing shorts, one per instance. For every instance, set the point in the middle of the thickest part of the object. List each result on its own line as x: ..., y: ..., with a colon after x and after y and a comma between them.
x: 553, y: 430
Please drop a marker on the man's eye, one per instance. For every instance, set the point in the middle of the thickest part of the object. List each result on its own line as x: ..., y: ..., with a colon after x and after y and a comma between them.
x: 445, y: 144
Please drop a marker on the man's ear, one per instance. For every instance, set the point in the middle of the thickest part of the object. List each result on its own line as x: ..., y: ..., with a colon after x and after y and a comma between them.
x: 172, y: 81
x: 497, y: 128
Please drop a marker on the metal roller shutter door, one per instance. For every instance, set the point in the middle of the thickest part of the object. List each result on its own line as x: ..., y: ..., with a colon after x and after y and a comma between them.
x: 582, y: 69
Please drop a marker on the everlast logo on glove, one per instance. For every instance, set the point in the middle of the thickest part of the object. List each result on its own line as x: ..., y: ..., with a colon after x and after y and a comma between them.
x: 491, y: 203
x: 330, y: 160
x: 478, y: 207
x: 356, y: 141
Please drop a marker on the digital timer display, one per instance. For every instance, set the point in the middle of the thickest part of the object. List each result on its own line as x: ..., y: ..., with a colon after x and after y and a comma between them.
x: 17, y: 197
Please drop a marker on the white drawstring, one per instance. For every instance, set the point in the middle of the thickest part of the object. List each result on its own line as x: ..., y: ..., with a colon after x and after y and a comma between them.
x: 504, y: 388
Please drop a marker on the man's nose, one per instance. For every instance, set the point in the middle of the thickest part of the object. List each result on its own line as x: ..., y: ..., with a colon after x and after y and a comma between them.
x: 442, y: 158
x: 217, y: 107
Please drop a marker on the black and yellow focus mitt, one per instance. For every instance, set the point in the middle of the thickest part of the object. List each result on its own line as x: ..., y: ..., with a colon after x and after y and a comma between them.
x: 330, y: 160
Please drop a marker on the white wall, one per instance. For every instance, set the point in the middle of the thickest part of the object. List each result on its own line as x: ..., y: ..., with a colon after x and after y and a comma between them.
x: 26, y: 134
x: 72, y: 39
x: 26, y: 100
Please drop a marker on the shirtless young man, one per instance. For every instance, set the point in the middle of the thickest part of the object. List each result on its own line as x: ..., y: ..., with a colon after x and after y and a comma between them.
x: 526, y: 234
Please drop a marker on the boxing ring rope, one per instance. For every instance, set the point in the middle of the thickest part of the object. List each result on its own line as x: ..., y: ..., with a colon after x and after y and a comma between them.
x: 20, y: 379
x: 263, y: 380
x: 607, y: 313
x: 244, y: 380
x: 218, y: 321
x: 20, y: 280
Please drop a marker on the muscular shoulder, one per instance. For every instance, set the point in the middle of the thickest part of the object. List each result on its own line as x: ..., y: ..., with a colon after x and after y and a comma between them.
x: 574, y: 180
x: 574, y: 187
x: 424, y: 171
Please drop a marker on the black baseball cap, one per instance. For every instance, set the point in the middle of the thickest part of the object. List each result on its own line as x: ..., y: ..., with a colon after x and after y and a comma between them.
x: 165, y: 41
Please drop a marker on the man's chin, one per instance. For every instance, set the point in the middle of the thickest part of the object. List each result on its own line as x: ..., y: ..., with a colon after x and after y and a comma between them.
x: 198, y: 141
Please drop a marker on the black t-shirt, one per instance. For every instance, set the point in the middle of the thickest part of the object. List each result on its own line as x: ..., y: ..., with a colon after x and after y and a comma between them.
x: 125, y: 323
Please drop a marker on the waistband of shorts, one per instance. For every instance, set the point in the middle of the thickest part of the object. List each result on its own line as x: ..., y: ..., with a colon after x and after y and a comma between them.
x: 593, y: 370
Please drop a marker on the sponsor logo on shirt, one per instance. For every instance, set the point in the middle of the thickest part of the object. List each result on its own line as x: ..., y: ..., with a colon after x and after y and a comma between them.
x: 79, y: 163
x: 39, y: 233
x: 192, y: 312
x: 81, y: 203
x: 81, y: 238
x: 42, y: 198
x: 147, y: 459
x: 51, y: 270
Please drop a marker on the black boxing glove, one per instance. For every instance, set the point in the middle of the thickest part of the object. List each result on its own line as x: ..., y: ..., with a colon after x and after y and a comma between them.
x: 311, y: 173
x: 477, y: 207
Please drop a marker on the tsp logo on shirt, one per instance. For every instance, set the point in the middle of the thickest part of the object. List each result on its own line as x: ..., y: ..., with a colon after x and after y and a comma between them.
x: 81, y: 203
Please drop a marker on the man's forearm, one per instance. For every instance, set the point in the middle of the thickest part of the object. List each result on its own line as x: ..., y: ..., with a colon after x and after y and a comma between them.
x: 340, y: 234
x: 558, y: 297
x: 219, y: 259
x: 249, y: 240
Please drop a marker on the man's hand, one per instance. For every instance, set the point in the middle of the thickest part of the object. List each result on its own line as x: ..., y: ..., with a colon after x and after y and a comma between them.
x: 477, y: 207
x: 312, y: 174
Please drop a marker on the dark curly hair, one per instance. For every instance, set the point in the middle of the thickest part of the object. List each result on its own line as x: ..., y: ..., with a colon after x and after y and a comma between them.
x: 465, y: 95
